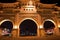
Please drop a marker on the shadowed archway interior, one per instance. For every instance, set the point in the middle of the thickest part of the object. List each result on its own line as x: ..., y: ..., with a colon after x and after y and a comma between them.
x: 7, y: 25
x: 28, y: 28
x: 48, y: 25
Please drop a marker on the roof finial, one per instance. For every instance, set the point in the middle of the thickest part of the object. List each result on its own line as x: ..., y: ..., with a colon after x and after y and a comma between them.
x: 30, y: 2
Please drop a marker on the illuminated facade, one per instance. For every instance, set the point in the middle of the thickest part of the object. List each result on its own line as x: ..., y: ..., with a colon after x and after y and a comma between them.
x: 33, y: 12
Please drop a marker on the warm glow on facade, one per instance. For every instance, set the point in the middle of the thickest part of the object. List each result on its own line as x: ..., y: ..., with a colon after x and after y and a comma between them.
x: 59, y: 26
x: 4, y: 21
x: 41, y: 27
x: 29, y: 8
x: 30, y: 18
x: 15, y: 27
x: 50, y: 20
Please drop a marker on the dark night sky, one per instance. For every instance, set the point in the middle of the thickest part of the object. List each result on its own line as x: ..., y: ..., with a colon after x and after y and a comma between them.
x: 49, y: 1
x: 7, y: 1
x: 42, y: 1
x: 57, y: 2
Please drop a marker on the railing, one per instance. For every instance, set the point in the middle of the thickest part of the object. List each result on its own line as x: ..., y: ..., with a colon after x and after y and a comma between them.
x: 45, y: 6
x: 10, y: 11
x: 9, y: 5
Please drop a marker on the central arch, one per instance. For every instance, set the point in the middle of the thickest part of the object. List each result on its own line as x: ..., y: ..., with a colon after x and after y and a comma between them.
x: 28, y: 28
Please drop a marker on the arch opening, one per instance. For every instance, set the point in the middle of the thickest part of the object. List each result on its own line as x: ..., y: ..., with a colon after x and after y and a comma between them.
x: 28, y: 28
x: 49, y: 27
x: 6, y: 28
